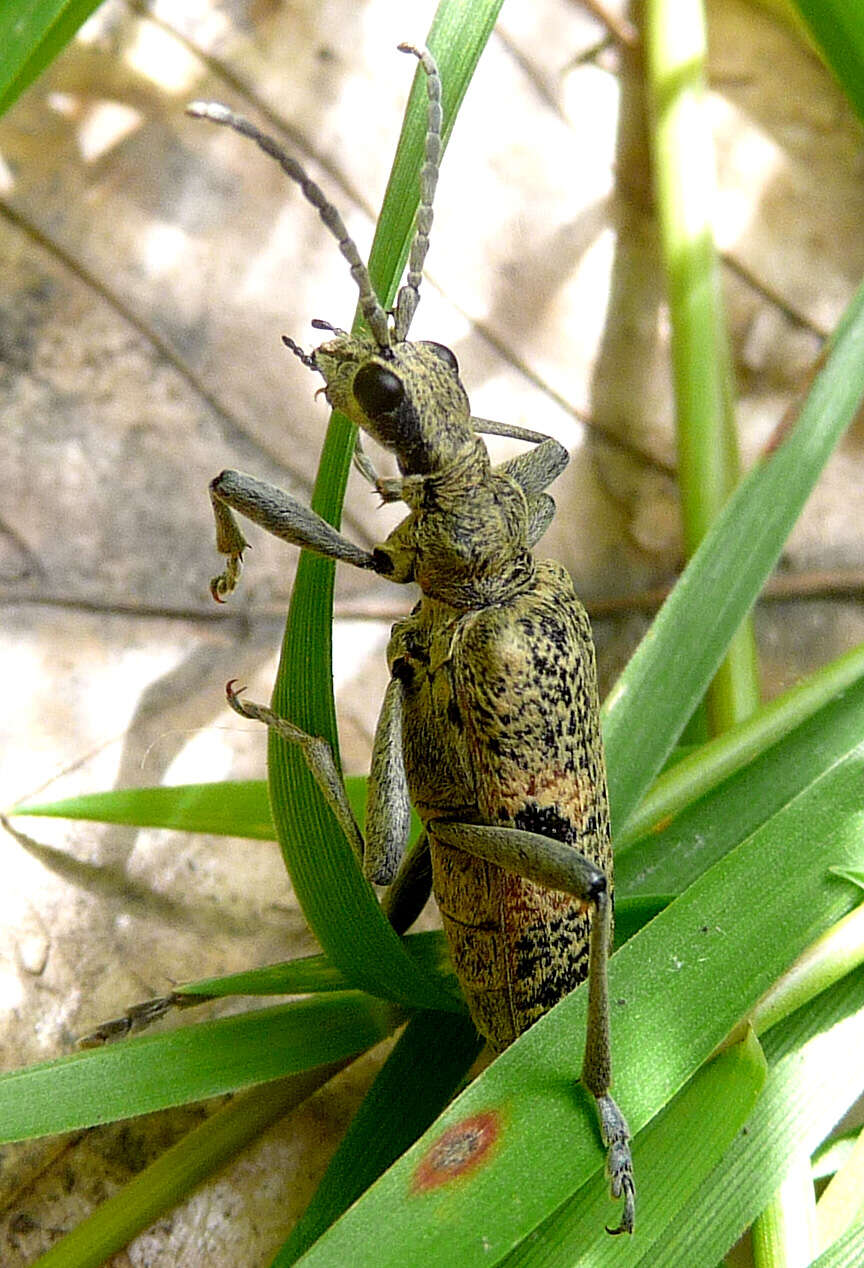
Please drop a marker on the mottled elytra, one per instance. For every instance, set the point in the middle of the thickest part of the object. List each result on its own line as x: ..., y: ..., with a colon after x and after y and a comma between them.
x: 489, y: 724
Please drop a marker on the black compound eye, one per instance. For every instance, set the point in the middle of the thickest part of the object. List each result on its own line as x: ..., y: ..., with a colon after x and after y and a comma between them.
x: 444, y: 354
x: 377, y: 390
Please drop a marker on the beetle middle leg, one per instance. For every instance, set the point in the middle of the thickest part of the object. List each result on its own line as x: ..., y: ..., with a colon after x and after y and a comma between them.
x: 556, y: 865
x: 388, y: 810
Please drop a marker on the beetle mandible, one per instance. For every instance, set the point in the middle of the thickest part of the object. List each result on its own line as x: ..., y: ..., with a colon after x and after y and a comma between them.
x: 490, y: 722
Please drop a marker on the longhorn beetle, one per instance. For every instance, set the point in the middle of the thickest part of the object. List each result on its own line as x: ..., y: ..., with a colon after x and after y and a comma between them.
x: 490, y: 720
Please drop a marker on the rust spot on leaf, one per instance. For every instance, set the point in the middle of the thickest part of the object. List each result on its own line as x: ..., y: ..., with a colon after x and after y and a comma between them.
x: 662, y: 824
x: 462, y: 1148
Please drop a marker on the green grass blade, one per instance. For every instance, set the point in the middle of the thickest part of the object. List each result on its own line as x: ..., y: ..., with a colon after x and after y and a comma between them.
x: 784, y: 1232
x: 421, y: 1075
x: 667, y: 861
x: 179, y: 1170
x: 338, y: 903
x: 239, y: 808
x: 674, y: 663
x: 672, y: 1157
x: 841, y: 1205
x: 813, y: 1078
x: 838, y: 30
x: 831, y: 1155
x: 708, y: 765
x: 679, y: 986
x: 232, y: 807
x: 31, y: 36
x: 314, y: 973
x: 838, y: 951
x: 188, y: 1064
x: 847, y: 1251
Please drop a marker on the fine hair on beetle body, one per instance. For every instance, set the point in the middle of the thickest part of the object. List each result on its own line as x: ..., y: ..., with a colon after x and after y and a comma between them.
x: 490, y: 720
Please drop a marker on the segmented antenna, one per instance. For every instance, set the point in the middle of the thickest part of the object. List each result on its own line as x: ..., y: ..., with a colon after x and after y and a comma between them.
x: 308, y: 361
x: 409, y: 294
x: 370, y: 305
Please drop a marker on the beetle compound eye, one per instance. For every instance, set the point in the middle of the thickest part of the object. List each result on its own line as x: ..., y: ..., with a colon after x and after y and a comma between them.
x: 443, y: 353
x: 377, y: 390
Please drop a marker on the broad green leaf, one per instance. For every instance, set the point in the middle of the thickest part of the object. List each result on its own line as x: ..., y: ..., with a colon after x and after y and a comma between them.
x: 673, y: 1155
x: 32, y: 33
x: 419, y: 1077
x: 189, y: 1063
x: 677, y: 988
x: 814, y: 1076
x: 338, y: 903
x: 673, y: 664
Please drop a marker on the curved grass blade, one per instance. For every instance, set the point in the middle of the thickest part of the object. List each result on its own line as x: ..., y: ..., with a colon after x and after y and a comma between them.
x: 233, y: 807
x: 338, y: 903
x: 814, y: 1076
x: 314, y: 973
x: 841, y: 1205
x: 847, y: 1251
x: 668, y: 860
x: 31, y: 36
x: 838, y: 31
x: 703, y: 768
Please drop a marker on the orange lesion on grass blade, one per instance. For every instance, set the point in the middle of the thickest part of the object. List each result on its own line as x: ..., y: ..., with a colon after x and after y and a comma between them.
x: 461, y: 1149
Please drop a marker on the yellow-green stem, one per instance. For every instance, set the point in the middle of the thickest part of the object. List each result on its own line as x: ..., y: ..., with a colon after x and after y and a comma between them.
x: 683, y: 156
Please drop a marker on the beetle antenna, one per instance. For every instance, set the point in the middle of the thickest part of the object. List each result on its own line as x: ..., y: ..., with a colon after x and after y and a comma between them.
x: 308, y: 361
x: 370, y: 305
x: 409, y: 294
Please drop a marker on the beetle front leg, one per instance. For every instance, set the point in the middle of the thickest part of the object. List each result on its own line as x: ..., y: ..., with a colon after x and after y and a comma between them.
x: 555, y: 865
x: 278, y: 513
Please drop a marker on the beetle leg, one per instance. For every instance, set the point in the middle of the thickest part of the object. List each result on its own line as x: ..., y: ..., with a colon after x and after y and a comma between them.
x: 278, y: 513
x: 319, y: 758
x: 388, y: 806
x: 556, y: 865
x: 388, y: 811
